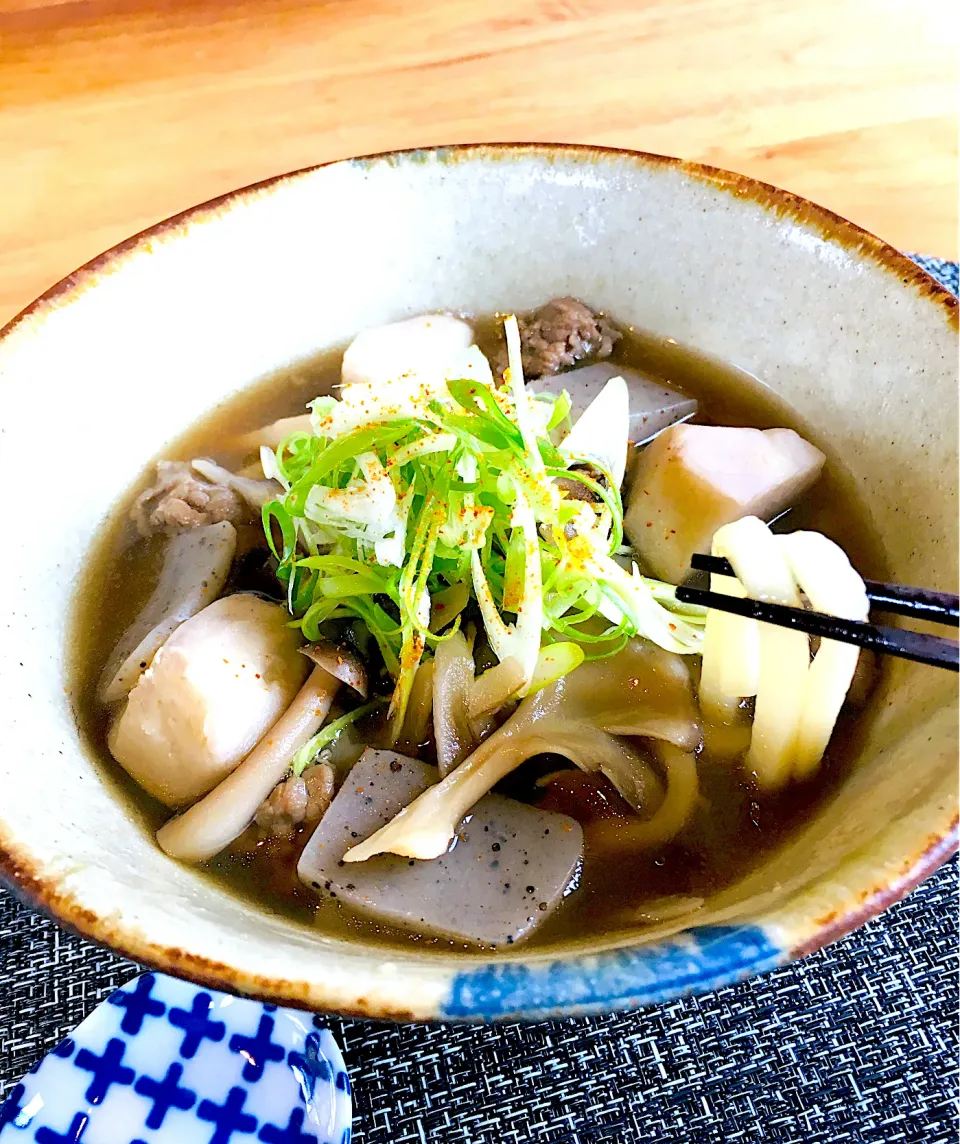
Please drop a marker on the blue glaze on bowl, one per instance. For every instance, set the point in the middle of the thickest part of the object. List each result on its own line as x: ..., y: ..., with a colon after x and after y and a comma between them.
x: 161, y: 1061
x: 693, y: 962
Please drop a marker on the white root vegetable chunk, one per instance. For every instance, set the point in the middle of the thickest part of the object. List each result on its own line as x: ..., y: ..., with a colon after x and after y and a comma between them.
x: 424, y: 344
x: 216, y: 820
x: 693, y: 479
x: 394, y: 372
x: 219, y: 682
x: 195, y: 568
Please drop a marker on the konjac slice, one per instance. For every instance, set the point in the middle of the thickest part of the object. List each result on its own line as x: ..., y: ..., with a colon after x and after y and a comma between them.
x: 508, y: 869
x: 653, y: 407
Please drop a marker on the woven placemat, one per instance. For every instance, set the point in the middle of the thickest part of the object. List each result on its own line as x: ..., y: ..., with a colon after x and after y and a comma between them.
x: 856, y: 1043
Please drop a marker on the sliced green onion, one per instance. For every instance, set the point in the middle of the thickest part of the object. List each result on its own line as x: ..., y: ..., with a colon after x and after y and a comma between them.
x: 561, y: 411
x: 327, y: 735
x: 476, y: 506
x: 554, y: 662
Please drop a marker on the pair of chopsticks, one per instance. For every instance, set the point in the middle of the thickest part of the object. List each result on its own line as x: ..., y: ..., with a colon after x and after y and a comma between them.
x: 917, y: 603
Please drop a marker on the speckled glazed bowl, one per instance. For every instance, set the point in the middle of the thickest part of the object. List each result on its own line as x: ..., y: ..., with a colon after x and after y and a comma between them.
x: 117, y: 359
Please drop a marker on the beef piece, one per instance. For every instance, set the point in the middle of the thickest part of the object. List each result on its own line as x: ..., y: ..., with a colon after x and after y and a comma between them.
x: 560, y: 335
x: 298, y: 800
x: 180, y: 499
x: 319, y: 783
x: 284, y: 808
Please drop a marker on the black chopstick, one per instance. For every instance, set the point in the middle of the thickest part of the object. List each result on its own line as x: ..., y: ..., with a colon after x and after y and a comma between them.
x: 916, y: 646
x: 918, y: 603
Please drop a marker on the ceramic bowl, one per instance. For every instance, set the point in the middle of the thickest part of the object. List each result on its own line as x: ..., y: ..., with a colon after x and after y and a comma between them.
x: 112, y: 363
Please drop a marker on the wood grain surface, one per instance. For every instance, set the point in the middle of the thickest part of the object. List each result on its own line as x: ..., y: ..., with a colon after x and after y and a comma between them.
x: 115, y: 114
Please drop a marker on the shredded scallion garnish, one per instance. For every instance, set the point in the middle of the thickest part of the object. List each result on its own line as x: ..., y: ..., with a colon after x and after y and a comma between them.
x: 328, y: 735
x: 458, y: 491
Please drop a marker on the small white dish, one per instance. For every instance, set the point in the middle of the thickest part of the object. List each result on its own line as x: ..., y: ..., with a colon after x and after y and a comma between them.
x: 163, y: 1062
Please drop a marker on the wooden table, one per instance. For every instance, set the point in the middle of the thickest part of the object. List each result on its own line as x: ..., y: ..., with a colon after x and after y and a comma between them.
x: 114, y: 114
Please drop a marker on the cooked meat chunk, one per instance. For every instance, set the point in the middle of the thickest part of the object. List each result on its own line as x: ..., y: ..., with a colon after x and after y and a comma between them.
x: 298, y: 800
x: 180, y: 499
x: 319, y: 783
x: 284, y: 808
x: 560, y: 335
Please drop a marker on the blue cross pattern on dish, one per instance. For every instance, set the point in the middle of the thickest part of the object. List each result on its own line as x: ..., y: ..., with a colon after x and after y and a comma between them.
x: 165, y: 1062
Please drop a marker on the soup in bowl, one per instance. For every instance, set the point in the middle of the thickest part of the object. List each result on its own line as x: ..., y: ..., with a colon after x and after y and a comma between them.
x: 351, y: 671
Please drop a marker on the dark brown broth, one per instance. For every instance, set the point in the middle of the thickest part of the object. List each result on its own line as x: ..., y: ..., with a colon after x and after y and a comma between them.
x: 733, y: 826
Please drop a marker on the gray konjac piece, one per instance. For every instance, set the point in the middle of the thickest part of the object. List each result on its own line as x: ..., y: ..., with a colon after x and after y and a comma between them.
x: 508, y: 870
x: 653, y: 407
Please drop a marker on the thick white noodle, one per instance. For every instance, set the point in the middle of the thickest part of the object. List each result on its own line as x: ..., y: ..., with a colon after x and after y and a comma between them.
x: 731, y: 657
x: 798, y: 701
x: 762, y: 569
x: 832, y: 586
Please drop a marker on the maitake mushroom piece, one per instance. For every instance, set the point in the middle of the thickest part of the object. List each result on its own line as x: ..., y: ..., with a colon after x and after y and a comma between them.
x: 643, y: 692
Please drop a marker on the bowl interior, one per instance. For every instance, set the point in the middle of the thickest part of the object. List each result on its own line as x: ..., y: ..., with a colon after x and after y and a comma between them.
x: 118, y: 360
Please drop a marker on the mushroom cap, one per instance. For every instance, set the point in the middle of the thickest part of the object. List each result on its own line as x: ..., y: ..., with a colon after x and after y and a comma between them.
x: 340, y: 662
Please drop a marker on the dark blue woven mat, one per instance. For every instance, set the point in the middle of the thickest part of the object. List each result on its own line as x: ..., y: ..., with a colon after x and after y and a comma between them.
x: 857, y: 1043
